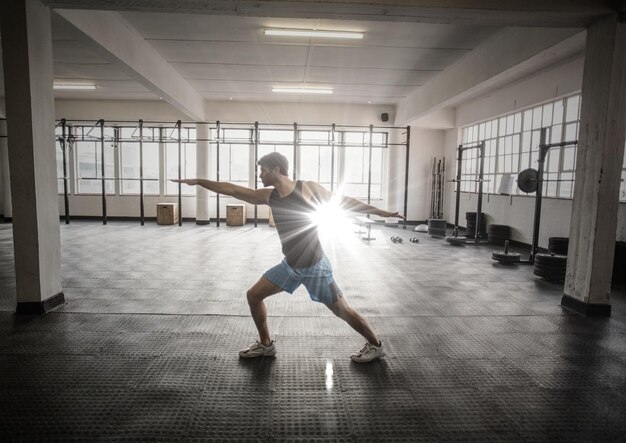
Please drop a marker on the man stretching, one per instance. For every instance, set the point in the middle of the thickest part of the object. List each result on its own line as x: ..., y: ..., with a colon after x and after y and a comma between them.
x: 292, y: 203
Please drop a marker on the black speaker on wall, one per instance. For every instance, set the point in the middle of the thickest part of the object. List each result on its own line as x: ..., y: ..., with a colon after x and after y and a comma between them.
x: 384, y: 116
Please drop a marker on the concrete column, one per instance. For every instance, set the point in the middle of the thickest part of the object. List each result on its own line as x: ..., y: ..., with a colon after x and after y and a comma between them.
x: 27, y: 59
x: 5, y: 185
x: 598, y: 170
x: 202, y: 171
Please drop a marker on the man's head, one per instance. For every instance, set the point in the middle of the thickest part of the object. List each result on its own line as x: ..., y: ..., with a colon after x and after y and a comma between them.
x: 272, y: 165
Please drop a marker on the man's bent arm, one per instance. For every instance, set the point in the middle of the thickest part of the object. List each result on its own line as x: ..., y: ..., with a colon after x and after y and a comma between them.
x: 252, y: 196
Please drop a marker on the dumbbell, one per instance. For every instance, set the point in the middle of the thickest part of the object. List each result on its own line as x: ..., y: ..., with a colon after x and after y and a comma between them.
x: 414, y: 240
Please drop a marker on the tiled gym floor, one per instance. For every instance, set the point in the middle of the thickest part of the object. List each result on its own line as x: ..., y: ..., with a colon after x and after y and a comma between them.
x: 146, y: 346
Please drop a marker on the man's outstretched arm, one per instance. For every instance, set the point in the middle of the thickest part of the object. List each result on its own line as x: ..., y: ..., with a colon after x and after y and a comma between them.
x: 252, y: 196
x: 354, y: 205
x: 321, y: 194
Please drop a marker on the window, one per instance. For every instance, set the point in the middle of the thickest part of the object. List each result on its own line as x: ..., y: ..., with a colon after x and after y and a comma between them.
x: 513, y: 141
x: 88, y: 148
x: 187, y: 158
x: 357, y: 166
x: 316, y: 158
x: 234, y: 156
x: 276, y: 140
x: 131, y: 156
x: 59, y: 156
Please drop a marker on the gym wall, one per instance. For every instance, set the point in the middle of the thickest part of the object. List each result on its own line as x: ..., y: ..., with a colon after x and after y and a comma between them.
x: 517, y: 211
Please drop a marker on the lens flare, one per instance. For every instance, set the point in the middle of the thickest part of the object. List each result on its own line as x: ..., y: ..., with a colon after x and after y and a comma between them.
x: 329, y: 217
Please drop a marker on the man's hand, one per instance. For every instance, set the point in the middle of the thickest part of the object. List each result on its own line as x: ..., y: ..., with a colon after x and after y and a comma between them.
x: 388, y: 214
x: 185, y: 181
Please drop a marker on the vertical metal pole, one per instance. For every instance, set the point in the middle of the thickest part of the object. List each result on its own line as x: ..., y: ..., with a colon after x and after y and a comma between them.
x: 369, y: 169
x: 141, y: 207
x: 332, y: 158
x: 64, y: 145
x: 217, y: 151
x: 295, y: 150
x: 479, y: 210
x: 103, y: 179
x: 543, y: 150
x: 180, y: 170
x: 459, y: 164
x: 256, y: 158
x: 406, y: 176
x: 441, y: 188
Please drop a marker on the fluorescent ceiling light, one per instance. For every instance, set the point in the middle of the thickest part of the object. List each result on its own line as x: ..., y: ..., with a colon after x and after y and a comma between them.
x: 313, y: 33
x: 303, y: 90
x: 72, y: 86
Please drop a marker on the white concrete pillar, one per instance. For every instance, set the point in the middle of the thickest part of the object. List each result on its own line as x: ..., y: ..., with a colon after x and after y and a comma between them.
x: 27, y: 59
x: 598, y: 170
x: 202, y: 171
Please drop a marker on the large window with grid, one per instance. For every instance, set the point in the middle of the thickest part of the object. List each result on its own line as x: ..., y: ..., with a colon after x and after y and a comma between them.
x: 134, y: 154
x: 276, y: 140
x: 357, y: 163
x: 88, y: 157
x: 513, y: 141
x: 234, y: 149
x: 187, y: 158
x: 316, y: 158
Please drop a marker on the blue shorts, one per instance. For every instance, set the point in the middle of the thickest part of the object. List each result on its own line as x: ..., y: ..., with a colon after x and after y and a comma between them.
x: 317, y: 279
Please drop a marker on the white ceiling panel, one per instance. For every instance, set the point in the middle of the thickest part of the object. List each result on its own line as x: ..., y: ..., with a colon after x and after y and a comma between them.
x: 159, y: 26
x: 91, y: 71
x: 301, y: 98
x: 381, y: 57
x: 208, y: 86
x: 231, y: 53
x: 211, y: 71
x: 376, y: 76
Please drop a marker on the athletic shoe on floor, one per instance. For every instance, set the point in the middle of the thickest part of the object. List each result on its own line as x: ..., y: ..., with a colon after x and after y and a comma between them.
x: 368, y: 353
x: 258, y: 349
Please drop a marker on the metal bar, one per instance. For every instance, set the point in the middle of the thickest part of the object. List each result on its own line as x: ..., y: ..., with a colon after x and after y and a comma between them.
x: 295, y: 149
x: 459, y: 163
x: 217, y: 147
x: 543, y: 149
x: 104, y: 198
x: 561, y: 144
x: 66, y: 199
x: 180, y: 170
x: 369, y: 169
x: 141, y: 207
x: 256, y: 159
x: 479, y: 209
x: 332, y: 158
x: 406, y: 175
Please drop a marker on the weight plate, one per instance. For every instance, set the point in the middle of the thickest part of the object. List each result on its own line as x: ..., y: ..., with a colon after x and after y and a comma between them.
x: 527, y: 180
x: 456, y: 241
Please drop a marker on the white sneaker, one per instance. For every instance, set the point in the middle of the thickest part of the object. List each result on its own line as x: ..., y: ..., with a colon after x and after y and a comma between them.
x: 368, y: 353
x: 258, y: 349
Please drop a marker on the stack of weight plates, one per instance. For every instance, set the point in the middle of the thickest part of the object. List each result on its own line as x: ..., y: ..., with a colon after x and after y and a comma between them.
x: 550, y: 267
x: 470, y: 219
x: 498, y: 234
x: 558, y: 245
x: 437, y: 227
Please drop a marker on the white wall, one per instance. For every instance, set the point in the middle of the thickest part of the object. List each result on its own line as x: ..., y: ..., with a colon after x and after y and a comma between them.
x: 426, y: 144
x: 517, y: 211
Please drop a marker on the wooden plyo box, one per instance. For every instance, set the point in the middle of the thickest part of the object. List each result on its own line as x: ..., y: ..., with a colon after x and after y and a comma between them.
x: 167, y: 213
x: 235, y: 215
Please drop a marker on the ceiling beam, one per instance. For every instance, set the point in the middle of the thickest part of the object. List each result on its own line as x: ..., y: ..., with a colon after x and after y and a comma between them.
x: 507, y: 56
x: 548, y: 13
x: 109, y: 34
